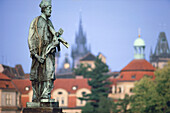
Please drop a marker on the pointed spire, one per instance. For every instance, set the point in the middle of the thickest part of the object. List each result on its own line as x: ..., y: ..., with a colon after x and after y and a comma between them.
x: 162, y: 46
x: 80, y: 23
x: 66, y: 58
x: 89, y: 48
x: 80, y: 16
x: 80, y: 37
x: 151, y: 51
x: 81, y: 48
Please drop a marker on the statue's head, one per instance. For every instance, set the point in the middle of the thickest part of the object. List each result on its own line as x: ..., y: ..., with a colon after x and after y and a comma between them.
x: 45, y: 6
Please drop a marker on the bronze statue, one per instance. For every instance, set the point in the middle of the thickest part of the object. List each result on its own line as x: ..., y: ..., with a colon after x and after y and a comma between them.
x: 43, y: 41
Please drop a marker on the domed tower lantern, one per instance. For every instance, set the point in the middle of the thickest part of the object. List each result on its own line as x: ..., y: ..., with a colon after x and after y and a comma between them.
x: 139, y: 46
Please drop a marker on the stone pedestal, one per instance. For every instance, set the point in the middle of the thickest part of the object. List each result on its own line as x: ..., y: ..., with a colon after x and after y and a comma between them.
x: 42, y: 107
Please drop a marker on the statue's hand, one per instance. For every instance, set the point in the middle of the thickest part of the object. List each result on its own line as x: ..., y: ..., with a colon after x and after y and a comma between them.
x: 55, y: 41
x: 53, y: 50
x: 40, y: 59
x: 60, y: 31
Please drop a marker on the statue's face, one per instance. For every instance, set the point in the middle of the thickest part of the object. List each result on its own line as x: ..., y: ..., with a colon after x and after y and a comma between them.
x: 48, y: 11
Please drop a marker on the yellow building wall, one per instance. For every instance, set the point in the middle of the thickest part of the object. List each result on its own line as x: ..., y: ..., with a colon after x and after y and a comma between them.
x: 72, y: 110
x: 61, y: 98
x: 91, y: 63
x: 121, y: 89
x: 79, y: 94
x: 30, y: 94
x: 103, y: 58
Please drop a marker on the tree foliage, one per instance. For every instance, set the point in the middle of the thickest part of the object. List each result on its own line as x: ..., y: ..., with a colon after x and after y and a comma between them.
x: 163, y: 89
x: 144, y: 96
x: 123, y: 104
x: 99, y: 86
x: 105, y: 105
x: 153, y: 96
x: 82, y: 70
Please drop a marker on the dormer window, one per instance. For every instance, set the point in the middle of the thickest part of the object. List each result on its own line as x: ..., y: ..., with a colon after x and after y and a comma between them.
x: 131, y: 90
x: 83, y: 93
x: 27, y: 88
x: 7, y: 85
x: 74, y: 88
x: 133, y: 76
x: 60, y: 93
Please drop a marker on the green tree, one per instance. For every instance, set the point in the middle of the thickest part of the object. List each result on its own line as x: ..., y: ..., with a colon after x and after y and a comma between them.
x: 88, y: 108
x: 163, y: 89
x: 82, y: 70
x: 105, y: 105
x: 153, y: 96
x: 145, y: 95
x: 122, y: 104
x: 99, y: 86
x: 115, y: 107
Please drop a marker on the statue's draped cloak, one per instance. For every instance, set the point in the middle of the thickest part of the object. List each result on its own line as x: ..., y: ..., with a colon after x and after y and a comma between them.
x: 45, y: 71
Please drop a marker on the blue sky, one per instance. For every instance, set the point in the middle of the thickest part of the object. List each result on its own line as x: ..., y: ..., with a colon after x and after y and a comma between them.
x: 111, y: 27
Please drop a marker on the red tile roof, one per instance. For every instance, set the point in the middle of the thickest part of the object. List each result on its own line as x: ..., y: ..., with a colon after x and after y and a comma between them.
x: 7, y: 85
x: 21, y: 84
x: 68, y: 84
x: 135, y: 70
x: 138, y: 65
x: 113, y: 81
x: 4, y: 77
x: 5, y: 82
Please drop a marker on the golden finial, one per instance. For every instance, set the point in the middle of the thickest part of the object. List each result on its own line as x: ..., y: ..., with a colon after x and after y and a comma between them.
x: 139, y: 32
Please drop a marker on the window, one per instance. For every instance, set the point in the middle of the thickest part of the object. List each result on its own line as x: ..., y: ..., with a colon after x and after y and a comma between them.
x: 115, y: 89
x: 7, y: 85
x: 74, y: 88
x: 60, y: 93
x: 163, y: 39
x: 121, y: 76
x: 57, y: 99
x: 62, y: 100
x: 133, y: 76
x: 89, y: 65
x: 27, y: 88
x: 83, y: 93
x: 110, y: 89
x: 8, y: 99
x: 119, y: 90
x: 131, y: 90
x: 81, y: 101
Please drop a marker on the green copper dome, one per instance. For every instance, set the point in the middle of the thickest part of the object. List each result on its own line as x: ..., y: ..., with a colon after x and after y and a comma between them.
x: 139, y: 42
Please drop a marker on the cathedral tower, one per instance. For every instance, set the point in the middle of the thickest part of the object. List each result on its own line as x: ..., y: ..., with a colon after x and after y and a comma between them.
x: 161, y: 55
x: 80, y: 47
